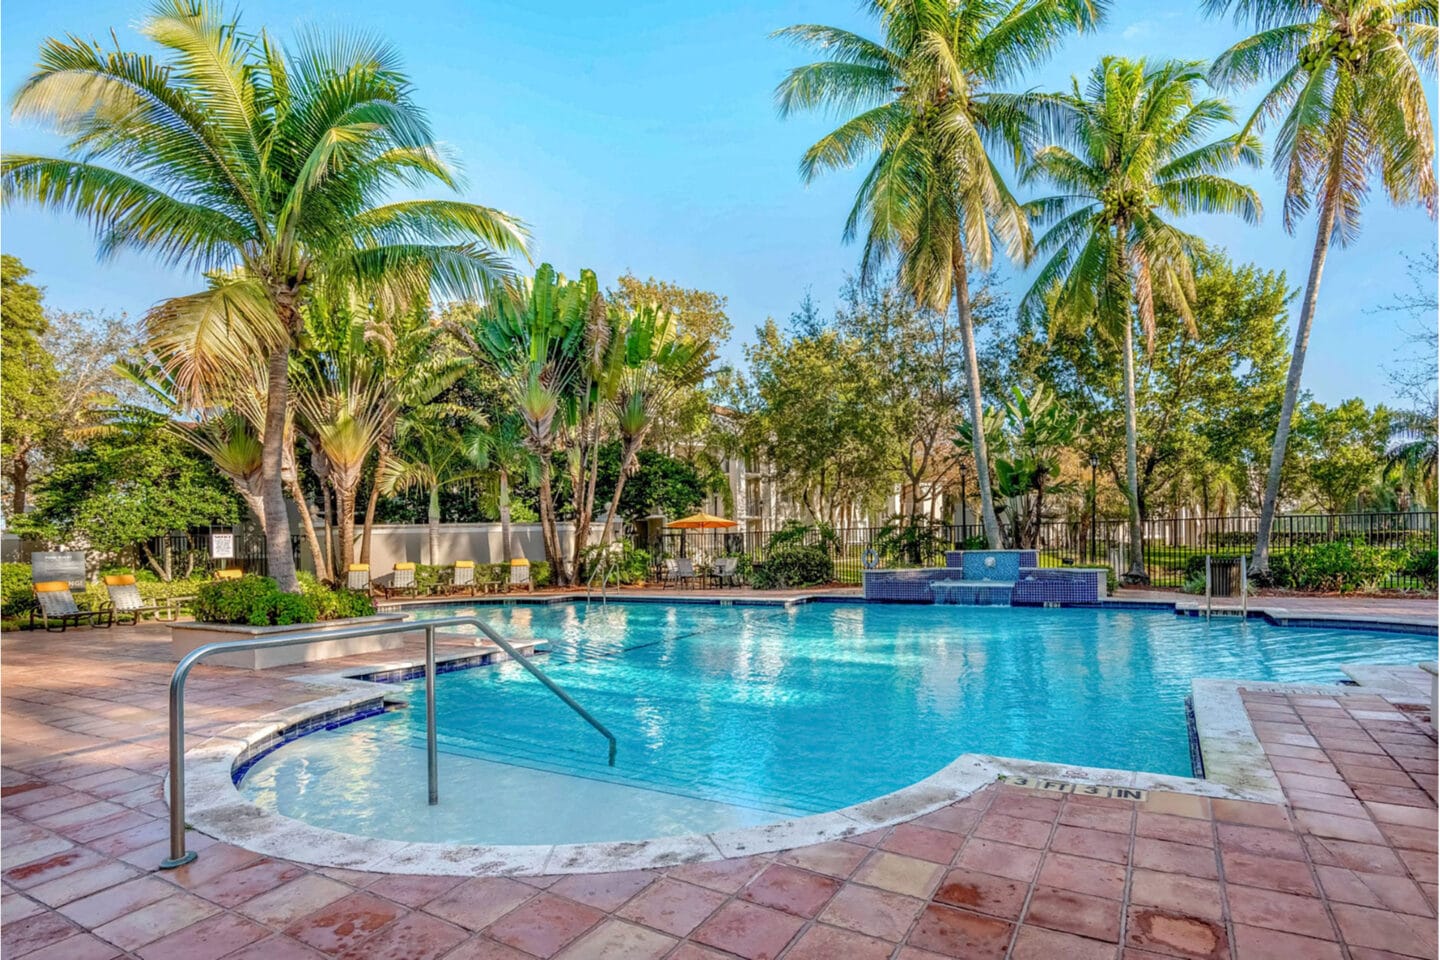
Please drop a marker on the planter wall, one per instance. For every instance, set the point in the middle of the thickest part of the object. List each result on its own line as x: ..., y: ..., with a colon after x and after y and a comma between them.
x: 185, y: 637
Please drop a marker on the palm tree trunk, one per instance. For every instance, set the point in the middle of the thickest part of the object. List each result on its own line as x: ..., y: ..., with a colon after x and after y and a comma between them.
x: 627, y: 456
x: 1260, y: 560
x: 433, y: 520
x: 326, y: 513
x: 1136, y: 572
x: 972, y: 378
x: 505, y: 515
x: 278, y: 556
x: 307, y: 528
x: 380, y: 458
x: 548, y: 531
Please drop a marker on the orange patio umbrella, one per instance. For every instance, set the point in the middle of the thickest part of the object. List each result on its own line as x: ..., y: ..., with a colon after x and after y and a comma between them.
x: 702, y: 521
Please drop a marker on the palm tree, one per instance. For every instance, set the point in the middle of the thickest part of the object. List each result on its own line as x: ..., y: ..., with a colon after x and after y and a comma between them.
x: 431, y: 456
x: 264, y: 166
x: 1349, y: 95
x: 501, y: 446
x: 657, y: 363
x: 1129, y: 148
x: 534, y: 337
x: 925, y: 104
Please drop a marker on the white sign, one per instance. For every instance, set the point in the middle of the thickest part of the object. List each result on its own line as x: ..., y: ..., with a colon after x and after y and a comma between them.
x: 222, y: 546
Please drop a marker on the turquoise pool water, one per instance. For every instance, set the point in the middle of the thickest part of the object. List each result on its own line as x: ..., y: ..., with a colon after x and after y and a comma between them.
x: 731, y: 716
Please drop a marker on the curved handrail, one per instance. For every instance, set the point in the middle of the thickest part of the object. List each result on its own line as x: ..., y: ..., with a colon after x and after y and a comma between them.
x: 178, y: 854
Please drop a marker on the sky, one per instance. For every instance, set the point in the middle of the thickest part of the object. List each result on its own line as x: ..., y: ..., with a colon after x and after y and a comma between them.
x: 642, y: 136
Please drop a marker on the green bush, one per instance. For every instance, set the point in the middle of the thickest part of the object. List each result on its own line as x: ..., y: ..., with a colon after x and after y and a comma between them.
x: 1423, y: 565
x: 256, y: 601
x: 16, y: 597
x: 540, y: 573
x: 1343, y: 566
x: 793, y: 566
x: 335, y: 604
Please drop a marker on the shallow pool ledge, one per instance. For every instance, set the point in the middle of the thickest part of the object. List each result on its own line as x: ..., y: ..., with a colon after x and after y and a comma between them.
x: 216, y: 807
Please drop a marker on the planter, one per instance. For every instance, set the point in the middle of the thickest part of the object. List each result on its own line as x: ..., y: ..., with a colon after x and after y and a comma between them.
x: 185, y: 637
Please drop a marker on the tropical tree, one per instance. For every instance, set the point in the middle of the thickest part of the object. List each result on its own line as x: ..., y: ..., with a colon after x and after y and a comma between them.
x: 29, y: 404
x: 656, y: 364
x: 1349, y: 95
x: 532, y: 337
x: 926, y: 105
x: 500, y: 446
x: 265, y: 166
x: 1128, y: 148
x: 430, y: 456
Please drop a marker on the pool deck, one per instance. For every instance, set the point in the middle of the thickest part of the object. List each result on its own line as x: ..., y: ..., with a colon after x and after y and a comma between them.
x: 1345, y: 867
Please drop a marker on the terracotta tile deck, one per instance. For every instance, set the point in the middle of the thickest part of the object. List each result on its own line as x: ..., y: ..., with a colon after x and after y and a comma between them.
x: 1346, y: 869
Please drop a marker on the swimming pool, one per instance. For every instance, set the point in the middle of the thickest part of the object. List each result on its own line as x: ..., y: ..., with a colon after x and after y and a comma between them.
x: 731, y: 716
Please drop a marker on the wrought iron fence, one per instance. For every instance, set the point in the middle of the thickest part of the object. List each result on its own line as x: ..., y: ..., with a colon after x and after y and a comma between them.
x: 188, y: 553
x: 1175, y: 547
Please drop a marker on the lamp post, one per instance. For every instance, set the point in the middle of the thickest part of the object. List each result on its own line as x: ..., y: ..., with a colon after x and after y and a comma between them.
x: 1094, y: 462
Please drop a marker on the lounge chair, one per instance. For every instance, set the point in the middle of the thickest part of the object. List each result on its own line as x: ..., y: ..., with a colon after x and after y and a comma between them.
x: 57, y: 605
x: 229, y: 573
x: 401, y: 581
x: 462, y: 578
x: 125, y: 599
x: 725, y: 569
x: 357, y: 577
x: 520, y: 575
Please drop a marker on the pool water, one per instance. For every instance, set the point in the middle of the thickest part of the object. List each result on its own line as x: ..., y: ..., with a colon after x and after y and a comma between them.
x: 739, y: 715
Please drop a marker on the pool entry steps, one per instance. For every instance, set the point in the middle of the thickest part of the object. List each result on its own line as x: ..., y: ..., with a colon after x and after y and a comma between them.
x: 988, y: 578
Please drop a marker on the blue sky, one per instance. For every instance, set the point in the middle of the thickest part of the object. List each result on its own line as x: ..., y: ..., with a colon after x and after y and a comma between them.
x: 642, y: 136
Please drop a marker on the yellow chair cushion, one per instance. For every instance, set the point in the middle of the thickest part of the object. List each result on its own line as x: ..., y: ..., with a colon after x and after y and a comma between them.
x: 464, y: 563
x: 359, y: 566
x: 520, y: 562
x: 404, y: 566
x: 52, y: 586
x: 231, y: 574
x: 119, y: 579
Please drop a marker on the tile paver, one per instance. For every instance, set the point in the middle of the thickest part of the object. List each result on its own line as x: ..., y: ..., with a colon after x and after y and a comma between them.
x: 1345, y: 868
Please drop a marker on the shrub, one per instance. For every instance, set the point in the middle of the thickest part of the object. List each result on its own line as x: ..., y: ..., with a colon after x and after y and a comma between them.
x: 540, y: 573
x: 793, y: 566
x: 335, y: 604
x: 248, y: 600
x: 1422, y: 565
x: 288, y: 608
x: 16, y: 597
x: 1339, y: 565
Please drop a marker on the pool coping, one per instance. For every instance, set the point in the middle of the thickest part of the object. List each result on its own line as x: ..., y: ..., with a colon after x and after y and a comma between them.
x: 1275, y: 615
x: 1234, y: 761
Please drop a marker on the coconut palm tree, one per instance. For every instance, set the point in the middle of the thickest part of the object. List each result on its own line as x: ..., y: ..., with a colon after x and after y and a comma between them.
x: 1130, y: 147
x: 924, y: 103
x: 265, y: 166
x: 1349, y: 95
x: 430, y: 456
x: 501, y: 446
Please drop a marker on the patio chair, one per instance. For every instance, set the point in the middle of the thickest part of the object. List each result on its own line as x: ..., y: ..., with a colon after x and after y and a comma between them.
x: 677, y: 570
x: 463, y: 578
x: 229, y: 573
x: 725, y: 570
x: 401, y: 581
x: 57, y: 605
x: 125, y: 599
x: 357, y: 577
x: 496, y: 579
x: 520, y: 575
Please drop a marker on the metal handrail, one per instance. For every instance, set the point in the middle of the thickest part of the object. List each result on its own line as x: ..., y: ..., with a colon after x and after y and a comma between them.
x: 179, y: 856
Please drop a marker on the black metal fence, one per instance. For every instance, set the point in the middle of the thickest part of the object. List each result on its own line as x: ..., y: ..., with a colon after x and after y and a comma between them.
x: 185, y: 554
x: 1175, y: 547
